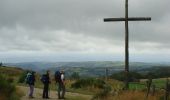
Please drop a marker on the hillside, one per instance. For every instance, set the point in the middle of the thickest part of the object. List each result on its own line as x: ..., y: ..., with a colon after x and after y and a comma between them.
x: 11, y: 72
x: 86, y: 69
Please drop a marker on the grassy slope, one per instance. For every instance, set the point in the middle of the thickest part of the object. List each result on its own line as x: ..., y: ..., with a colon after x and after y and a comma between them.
x: 11, y: 72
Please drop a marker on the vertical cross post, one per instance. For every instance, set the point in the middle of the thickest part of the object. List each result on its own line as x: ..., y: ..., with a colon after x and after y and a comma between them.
x: 126, y: 46
x: 127, y: 19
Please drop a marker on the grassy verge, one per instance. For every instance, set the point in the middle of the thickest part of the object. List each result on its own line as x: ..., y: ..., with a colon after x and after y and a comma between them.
x: 8, y: 90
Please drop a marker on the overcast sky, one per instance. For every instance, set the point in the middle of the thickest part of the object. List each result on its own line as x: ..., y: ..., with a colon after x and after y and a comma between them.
x: 73, y: 30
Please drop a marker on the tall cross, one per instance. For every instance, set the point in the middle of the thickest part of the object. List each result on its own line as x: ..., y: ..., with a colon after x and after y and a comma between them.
x: 127, y: 19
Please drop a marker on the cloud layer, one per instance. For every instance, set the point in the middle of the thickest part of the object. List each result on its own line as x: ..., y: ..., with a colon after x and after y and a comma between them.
x: 77, y: 26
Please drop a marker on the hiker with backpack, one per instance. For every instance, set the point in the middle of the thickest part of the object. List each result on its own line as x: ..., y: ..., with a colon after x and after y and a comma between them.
x: 46, y: 81
x: 30, y: 80
x: 60, y: 80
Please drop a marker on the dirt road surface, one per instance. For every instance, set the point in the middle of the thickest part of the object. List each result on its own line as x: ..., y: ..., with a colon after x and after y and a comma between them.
x: 52, y: 95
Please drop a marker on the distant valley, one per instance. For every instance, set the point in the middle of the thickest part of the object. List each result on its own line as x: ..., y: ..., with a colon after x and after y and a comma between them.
x: 86, y: 69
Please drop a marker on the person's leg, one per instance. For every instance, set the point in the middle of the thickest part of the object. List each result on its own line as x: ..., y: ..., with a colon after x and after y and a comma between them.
x: 63, y: 90
x: 47, y: 86
x: 59, y: 90
x: 30, y: 91
x: 44, y: 91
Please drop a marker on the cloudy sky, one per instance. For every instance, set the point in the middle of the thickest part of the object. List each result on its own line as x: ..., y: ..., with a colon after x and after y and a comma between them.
x: 73, y: 30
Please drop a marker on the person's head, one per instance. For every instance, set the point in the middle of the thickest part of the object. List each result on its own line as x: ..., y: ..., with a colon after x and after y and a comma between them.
x: 32, y: 72
x: 62, y: 72
x: 48, y: 72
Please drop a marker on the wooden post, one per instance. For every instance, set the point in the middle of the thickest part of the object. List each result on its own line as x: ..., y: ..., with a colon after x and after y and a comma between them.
x: 148, y: 84
x: 153, y: 89
x: 126, y: 46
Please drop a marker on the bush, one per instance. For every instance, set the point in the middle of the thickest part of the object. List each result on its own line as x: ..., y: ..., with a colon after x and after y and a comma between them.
x: 133, y: 76
x: 89, y: 82
x: 10, y: 80
x: 102, y: 95
x: 7, y: 89
x: 75, y: 76
x: 22, y: 77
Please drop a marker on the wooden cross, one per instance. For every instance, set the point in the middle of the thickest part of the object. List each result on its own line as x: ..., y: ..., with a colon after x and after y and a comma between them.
x: 127, y: 19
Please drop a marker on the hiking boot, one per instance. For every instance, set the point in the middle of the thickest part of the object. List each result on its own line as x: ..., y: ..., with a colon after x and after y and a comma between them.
x: 63, y: 98
x: 47, y: 98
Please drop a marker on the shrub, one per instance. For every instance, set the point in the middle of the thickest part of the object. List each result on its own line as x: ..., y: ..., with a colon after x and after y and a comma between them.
x: 104, y: 93
x: 10, y: 80
x: 7, y: 89
x: 75, y: 76
x: 22, y: 77
x: 89, y: 82
x: 133, y: 76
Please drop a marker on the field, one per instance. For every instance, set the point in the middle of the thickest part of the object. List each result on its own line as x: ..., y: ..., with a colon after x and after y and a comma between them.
x: 159, y: 83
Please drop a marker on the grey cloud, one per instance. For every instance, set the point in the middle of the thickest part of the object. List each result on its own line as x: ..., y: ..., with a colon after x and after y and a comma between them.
x: 33, y: 24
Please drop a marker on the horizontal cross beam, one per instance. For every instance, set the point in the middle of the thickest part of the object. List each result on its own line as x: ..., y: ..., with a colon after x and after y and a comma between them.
x: 129, y: 19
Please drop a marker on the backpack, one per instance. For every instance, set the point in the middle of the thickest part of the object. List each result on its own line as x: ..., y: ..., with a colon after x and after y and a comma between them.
x: 28, y: 78
x: 43, y: 78
x: 57, y: 76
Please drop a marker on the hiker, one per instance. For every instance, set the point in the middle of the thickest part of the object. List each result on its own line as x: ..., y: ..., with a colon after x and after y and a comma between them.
x: 46, y: 81
x: 30, y: 80
x: 60, y: 80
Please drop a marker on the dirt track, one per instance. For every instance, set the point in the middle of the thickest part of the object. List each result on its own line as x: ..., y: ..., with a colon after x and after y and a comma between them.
x: 52, y: 94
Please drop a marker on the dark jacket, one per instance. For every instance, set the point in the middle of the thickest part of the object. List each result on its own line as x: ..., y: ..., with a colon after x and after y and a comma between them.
x: 45, y: 79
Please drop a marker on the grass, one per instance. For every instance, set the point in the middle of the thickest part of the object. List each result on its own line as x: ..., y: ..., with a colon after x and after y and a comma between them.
x: 115, y: 85
x: 135, y: 95
x: 8, y: 90
x: 69, y: 97
x: 11, y: 73
x: 159, y: 83
x: 137, y: 86
x: 19, y: 92
x: 137, y: 91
